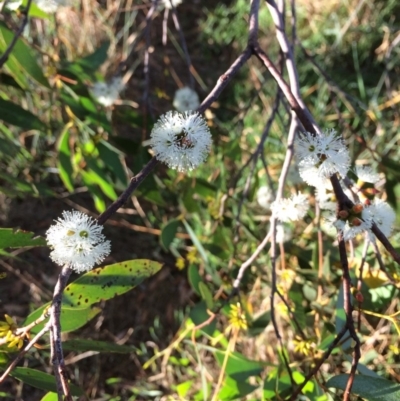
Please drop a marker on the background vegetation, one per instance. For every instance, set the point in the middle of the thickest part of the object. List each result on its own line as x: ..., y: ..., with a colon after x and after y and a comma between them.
x: 59, y: 149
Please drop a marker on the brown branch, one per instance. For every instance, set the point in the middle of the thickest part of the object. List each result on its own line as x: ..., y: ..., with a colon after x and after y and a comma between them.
x: 319, y: 363
x: 224, y: 79
x: 348, y: 308
x: 302, y: 114
x: 385, y: 242
x: 55, y: 335
x: 123, y: 198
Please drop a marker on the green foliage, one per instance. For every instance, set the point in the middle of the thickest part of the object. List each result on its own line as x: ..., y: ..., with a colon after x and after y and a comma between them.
x: 18, y: 239
x: 57, y: 141
x: 38, y: 379
x: 370, y: 388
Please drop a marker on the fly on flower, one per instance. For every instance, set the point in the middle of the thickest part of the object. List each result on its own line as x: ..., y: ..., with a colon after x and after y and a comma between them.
x: 181, y: 140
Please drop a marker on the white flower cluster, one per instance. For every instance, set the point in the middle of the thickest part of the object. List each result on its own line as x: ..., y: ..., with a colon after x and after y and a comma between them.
x: 265, y: 197
x: 182, y: 141
x: 77, y: 241
x: 168, y: 4
x: 292, y: 209
x: 11, y: 5
x: 361, y: 217
x: 321, y: 156
x: 49, y: 6
x: 367, y: 174
x: 186, y: 99
x: 106, y: 93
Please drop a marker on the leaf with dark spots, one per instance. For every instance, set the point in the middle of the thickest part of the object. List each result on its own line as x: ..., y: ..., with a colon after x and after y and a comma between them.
x: 109, y: 281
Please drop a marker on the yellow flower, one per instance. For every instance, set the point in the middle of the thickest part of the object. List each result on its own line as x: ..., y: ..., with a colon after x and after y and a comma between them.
x: 8, y: 325
x: 7, y: 329
x: 192, y: 256
x: 180, y: 263
x: 237, y: 318
x: 304, y: 347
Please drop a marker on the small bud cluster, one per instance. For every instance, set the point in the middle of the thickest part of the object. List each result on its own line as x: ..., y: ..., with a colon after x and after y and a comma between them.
x: 322, y: 156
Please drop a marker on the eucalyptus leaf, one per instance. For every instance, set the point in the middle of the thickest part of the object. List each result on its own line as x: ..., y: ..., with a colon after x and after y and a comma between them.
x: 368, y: 387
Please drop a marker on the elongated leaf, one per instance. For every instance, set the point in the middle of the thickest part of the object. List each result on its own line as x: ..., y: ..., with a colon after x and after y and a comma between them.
x: 21, y: 57
x: 203, y: 253
x: 194, y: 278
x: 112, y: 159
x: 13, y: 114
x: 38, y: 379
x: 368, y: 387
x: 71, y: 318
x: 19, y: 239
x: 96, y: 59
x: 97, y: 195
x: 97, y: 177
x: 168, y: 233
x: 100, y: 346
x: 206, y: 294
x: 107, y: 282
x: 50, y: 396
x: 234, y: 390
x: 238, y: 367
x: 64, y: 160
x: 35, y: 11
x: 199, y: 315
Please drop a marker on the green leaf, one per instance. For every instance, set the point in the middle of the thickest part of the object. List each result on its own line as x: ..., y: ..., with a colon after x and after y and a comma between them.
x: 112, y: 159
x: 64, y: 160
x: 203, y: 253
x: 100, y: 346
x: 19, y: 239
x: 168, y: 233
x: 107, y: 282
x: 234, y: 390
x: 19, y: 187
x: 41, y: 380
x: 96, y: 178
x: 206, y: 295
x: 35, y: 11
x: 194, y: 278
x: 13, y: 114
x: 96, y: 194
x: 368, y: 387
x: 22, y: 58
x: 183, y: 388
x: 258, y: 325
x: 71, y: 318
x: 238, y: 367
x: 50, y: 397
x: 199, y: 315
x: 96, y: 59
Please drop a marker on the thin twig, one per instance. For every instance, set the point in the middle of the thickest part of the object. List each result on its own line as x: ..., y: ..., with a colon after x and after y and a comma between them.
x: 184, y: 46
x: 55, y: 333
x: 125, y: 196
x: 224, y: 79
